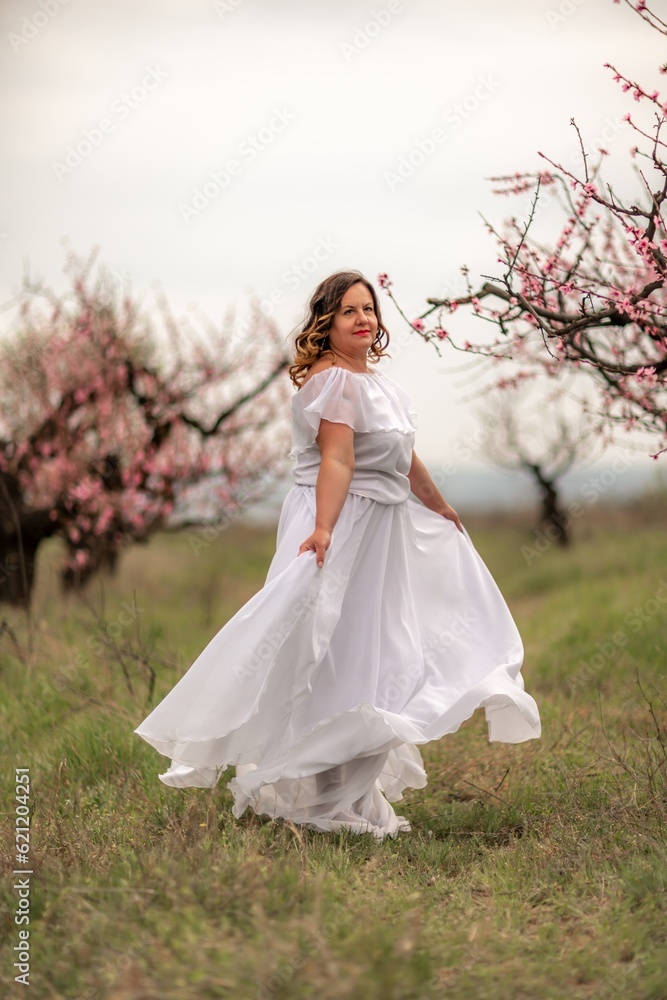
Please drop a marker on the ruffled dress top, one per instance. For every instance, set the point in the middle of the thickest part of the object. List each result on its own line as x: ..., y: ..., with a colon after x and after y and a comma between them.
x: 384, y: 424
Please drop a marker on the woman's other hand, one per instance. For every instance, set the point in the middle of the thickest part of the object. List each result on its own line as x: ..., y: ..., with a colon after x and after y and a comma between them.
x: 451, y: 515
x: 318, y: 543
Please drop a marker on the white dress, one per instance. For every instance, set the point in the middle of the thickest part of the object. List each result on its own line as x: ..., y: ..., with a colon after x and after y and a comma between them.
x: 322, y: 687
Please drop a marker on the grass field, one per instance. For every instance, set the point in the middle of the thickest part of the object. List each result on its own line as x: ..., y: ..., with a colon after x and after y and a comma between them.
x: 534, y: 871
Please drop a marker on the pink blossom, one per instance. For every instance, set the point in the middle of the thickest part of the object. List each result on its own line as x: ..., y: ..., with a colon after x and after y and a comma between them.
x: 440, y: 333
x: 104, y: 521
x: 646, y: 376
x: 418, y: 324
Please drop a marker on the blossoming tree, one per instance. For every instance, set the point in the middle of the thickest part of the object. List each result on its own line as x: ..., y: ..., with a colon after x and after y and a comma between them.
x: 107, y: 424
x: 595, y: 299
x: 517, y: 437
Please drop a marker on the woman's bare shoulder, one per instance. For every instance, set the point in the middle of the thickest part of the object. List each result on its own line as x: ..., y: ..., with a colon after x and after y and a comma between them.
x: 318, y: 366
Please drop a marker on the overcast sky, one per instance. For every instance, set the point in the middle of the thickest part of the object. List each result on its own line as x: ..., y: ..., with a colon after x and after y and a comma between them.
x: 303, y: 110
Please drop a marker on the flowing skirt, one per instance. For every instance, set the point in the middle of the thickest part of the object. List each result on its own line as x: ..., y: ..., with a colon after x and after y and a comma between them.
x: 321, y: 688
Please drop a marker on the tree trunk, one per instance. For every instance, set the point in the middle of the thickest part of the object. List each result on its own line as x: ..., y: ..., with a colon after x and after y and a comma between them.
x: 551, y: 509
x: 21, y: 532
x: 552, y: 514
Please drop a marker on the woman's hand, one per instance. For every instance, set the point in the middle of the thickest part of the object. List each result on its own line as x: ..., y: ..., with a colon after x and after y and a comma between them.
x: 319, y: 542
x: 448, y: 511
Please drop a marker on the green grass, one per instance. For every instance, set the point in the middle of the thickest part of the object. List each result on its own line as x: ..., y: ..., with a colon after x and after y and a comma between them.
x: 535, y: 870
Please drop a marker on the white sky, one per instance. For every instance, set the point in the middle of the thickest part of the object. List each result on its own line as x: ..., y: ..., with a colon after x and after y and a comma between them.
x: 220, y: 73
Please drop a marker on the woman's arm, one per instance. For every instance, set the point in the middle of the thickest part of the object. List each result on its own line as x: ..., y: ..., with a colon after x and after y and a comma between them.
x: 336, y: 444
x: 425, y: 490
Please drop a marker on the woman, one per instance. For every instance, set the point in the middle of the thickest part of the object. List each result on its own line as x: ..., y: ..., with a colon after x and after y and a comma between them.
x: 381, y: 630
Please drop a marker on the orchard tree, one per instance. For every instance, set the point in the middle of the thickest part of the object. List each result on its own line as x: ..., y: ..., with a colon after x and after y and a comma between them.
x: 109, y: 423
x: 538, y: 437
x: 594, y: 300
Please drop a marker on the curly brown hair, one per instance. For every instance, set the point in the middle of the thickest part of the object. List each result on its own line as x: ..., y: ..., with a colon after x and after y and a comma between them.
x: 313, y: 340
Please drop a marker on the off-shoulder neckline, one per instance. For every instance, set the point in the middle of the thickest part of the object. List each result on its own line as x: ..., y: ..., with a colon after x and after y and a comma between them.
x: 323, y: 371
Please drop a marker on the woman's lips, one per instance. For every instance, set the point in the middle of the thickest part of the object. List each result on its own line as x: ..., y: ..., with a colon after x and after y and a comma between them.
x: 359, y: 333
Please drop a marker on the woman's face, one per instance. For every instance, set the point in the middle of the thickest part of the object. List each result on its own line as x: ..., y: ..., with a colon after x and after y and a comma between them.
x: 354, y: 325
